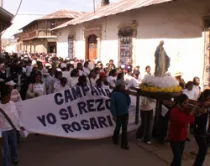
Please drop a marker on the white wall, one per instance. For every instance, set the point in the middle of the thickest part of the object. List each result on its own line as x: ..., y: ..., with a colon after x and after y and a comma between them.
x: 178, y: 23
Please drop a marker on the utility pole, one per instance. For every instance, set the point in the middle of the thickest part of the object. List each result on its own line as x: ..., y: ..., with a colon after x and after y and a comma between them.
x: 1, y: 3
x: 94, y: 6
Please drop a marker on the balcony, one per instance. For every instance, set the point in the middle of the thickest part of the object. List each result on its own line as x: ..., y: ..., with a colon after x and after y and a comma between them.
x: 41, y: 33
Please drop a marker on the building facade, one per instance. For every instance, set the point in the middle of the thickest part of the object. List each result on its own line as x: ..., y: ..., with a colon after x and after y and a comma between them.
x: 5, y: 22
x: 37, y: 37
x: 134, y: 35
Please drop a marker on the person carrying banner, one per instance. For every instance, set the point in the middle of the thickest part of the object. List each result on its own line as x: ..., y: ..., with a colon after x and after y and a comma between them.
x: 120, y: 102
x: 9, y: 122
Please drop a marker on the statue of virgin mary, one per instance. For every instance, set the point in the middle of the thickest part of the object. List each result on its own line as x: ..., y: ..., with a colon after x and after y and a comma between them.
x: 162, y: 61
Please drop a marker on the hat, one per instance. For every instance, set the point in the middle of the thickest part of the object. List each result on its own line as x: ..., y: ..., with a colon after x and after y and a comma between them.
x: 120, y: 82
x: 72, y: 62
x: 178, y: 74
x: 10, y: 83
x: 102, y: 74
x: 48, y: 65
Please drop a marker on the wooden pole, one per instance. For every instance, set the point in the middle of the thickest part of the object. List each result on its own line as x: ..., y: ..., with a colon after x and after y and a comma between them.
x: 94, y: 6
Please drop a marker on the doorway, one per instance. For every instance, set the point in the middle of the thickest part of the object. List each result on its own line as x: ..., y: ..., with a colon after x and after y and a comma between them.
x: 51, y: 47
x: 92, y: 47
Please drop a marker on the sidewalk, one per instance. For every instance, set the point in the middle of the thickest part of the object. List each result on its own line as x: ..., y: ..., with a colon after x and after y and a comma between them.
x: 163, y: 151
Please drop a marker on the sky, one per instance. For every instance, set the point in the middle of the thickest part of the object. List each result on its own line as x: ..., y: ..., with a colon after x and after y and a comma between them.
x: 32, y: 9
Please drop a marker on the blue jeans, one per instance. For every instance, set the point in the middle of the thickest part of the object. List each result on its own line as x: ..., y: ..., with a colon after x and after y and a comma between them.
x: 9, y: 139
x: 177, y: 149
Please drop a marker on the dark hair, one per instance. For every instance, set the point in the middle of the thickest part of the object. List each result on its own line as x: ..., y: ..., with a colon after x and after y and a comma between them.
x: 147, y: 67
x: 204, y: 95
x: 188, y: 84
x: 181, y: 99
x: 194, y: 80
x: 112, y: 72
x: 120, y: 75
x: 86, y: 63
x: 63, y: 80
x: 5, y: 91
x: 82, y: 81
x: 57, y: 73
x: 74, y: 72
x: 35, y: 74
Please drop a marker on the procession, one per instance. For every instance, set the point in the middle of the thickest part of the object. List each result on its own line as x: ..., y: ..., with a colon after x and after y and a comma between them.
x: 71, y: 86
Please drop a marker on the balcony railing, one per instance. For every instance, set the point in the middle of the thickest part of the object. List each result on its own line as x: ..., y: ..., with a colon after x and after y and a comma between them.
x: 41, y: 33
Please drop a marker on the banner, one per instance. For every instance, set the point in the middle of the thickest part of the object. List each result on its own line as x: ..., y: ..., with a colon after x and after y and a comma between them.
x: 79, y: 113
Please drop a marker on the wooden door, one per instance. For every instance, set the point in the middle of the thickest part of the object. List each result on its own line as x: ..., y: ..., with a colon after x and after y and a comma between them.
x: 92, y: 47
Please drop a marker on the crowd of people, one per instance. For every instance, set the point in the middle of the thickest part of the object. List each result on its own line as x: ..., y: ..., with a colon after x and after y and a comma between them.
x: 28, y: 76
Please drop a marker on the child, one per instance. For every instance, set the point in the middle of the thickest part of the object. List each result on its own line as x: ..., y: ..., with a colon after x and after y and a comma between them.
x: 9, y: 132
x: 120, y: 102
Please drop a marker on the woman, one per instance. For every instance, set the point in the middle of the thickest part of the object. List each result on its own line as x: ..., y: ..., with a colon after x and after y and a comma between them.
x: 180, y: 118
x: 86, y: 69
x: 112, y: 78
x: 36, y: 88
x: 189, y: 91
x: 63, y: 85
x: 74, y: 78
x: 202, y: 127
x: 82, y: 81
x: 120, y: 102
x: 102, y: 82
x: 92, y: 77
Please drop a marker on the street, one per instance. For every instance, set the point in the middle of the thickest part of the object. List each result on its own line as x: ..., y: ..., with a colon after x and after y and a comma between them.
x: 50, y: 151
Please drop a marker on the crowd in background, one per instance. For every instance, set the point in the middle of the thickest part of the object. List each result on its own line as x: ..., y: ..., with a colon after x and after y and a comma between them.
x: 29, y: 76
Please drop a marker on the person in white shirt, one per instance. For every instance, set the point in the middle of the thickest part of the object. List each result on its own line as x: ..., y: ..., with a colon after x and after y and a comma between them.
x: 112, y: 78
x: 8, y: 132
x: 86, y: 69
x: 102, y: 81
x: 36, y: 88
x: 74, y: 78
x: 147, y: 72
x: 62, y: 86
x: 80, y: 68
x: 189, y: 91
x: 92, y: 78
x: 144, y: 132
x: 196, y: 87
x: 58, y: 76
x: 50, y: 80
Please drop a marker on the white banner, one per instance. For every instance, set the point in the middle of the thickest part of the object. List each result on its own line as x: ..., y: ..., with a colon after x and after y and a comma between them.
x: 79, y: 113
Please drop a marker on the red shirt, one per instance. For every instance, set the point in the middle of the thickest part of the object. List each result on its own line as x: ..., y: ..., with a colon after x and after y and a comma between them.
x: 179, y: 122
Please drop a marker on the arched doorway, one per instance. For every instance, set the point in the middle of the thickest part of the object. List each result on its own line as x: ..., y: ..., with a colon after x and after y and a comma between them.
x: 92, y: 47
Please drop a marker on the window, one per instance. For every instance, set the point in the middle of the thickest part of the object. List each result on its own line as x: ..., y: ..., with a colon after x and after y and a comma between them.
x: 71, y: 46
x: 125, y: 39
x: 52, y: 24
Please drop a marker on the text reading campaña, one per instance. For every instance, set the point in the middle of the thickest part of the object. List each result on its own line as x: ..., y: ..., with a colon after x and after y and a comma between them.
x: 83, y: 107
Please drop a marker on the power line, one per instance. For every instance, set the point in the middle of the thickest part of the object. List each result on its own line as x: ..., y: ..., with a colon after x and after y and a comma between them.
x: 21, y: 1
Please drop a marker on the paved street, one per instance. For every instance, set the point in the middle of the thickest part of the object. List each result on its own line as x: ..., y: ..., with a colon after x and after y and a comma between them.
x: 49, y: 151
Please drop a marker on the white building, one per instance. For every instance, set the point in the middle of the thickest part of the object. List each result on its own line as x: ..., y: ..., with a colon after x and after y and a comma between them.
x: 133, y: 29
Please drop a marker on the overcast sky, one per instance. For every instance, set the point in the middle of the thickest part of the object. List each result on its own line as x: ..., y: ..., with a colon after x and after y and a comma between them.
x: 41, y: 7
